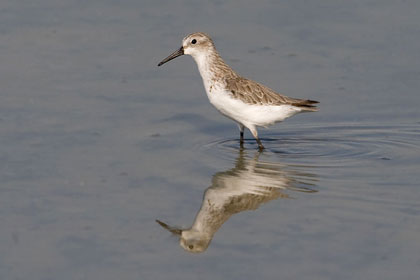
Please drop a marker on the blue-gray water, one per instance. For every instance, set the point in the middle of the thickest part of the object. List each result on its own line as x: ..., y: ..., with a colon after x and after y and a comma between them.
x: 96, y: 141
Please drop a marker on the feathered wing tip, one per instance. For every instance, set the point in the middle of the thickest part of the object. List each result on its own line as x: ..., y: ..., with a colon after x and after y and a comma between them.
x: 307, y: 105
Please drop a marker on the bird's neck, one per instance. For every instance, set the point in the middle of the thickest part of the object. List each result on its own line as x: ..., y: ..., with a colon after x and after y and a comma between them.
x: 212, y: 68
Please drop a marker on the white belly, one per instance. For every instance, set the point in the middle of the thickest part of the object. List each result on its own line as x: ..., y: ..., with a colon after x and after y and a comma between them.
x: 250, y: 115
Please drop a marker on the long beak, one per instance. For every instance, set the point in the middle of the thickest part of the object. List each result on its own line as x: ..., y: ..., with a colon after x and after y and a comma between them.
x: 172, y: 230
x: 172, y: 56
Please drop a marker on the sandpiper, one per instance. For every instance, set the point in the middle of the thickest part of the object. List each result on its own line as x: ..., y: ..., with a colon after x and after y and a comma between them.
x: 248, y: 103
x: 248, y: 185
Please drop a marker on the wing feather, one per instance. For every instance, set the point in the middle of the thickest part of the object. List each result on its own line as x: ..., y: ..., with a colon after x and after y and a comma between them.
x: 252, y: 92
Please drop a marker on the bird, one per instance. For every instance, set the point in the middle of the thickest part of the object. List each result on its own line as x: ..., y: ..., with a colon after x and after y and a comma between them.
x: 248, y: 103
x: 250, y: 184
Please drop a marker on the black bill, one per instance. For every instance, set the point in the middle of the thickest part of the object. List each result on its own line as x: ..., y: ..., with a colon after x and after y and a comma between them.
x: 172, y: 230
x: 172, y: 56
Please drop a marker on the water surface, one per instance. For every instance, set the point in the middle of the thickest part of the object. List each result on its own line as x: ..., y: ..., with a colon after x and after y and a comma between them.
x: 97, y: 142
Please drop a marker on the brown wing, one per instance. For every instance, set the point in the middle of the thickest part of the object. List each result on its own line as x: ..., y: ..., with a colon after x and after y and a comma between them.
x: 254, y: 93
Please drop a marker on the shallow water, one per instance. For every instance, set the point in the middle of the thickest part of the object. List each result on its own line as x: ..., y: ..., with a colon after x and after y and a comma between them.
x: 97, y: 142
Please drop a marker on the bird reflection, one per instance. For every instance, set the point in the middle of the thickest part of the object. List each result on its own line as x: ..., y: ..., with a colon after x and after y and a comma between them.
x: 245, y: 187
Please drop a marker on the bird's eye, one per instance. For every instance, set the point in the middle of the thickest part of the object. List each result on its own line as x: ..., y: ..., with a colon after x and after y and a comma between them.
x: 193, y: 41
x: 191, y: 247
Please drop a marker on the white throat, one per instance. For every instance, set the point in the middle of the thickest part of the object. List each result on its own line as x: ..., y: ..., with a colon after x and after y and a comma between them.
x: 204, y: 60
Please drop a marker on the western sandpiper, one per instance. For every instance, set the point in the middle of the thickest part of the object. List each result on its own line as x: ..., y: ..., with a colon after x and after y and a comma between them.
x: 248, y: 103
x: 249, y: 184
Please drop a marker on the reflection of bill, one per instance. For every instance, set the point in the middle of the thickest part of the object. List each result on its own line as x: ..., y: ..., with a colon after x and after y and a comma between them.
x: 245, y: 187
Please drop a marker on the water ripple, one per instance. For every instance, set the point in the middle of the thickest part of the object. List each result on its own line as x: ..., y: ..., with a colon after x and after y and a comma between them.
x: 344, y: 144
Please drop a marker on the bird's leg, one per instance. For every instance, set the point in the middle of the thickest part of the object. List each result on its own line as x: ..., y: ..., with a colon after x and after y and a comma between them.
x: 260, y: 145
x: 241, y: 132
x: 255, y: 134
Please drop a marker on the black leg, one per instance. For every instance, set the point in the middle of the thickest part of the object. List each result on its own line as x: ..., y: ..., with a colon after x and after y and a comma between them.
x: 260, y: 145
x: 255, y: 134
x: 241, y: 133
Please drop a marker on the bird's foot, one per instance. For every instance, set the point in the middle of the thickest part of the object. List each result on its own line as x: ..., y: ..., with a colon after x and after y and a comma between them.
x: 260, y: 146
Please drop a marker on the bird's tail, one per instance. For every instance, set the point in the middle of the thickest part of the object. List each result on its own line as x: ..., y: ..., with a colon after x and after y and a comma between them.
x: 306, y: 105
